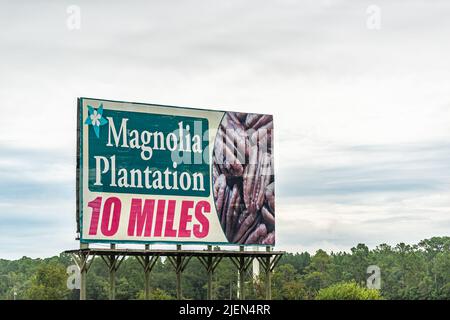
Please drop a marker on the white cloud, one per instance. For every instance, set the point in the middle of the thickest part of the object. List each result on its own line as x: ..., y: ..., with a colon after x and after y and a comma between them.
x: 353, y: 108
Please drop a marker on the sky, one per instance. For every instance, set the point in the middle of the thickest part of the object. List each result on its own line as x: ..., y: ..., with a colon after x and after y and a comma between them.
x: 359, y: 91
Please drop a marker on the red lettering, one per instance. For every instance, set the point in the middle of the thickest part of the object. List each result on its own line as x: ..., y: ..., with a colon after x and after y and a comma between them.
x: 108, y: 230
x: 170, y: 232
x: 201, y: 208
x: 95, y: 205
x: 140, y: 218
x: 185, y: 217
x: 159, y: 218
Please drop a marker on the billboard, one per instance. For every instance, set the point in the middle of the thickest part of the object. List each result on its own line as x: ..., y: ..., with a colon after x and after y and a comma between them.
x: 160, y: 174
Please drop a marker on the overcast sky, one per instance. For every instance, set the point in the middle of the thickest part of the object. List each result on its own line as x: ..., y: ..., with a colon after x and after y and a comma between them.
x: 362, y: 110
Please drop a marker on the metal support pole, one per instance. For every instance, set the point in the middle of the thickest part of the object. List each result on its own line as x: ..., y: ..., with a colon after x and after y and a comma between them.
x: 209, y: 269
x: 269, y: 262
x: 83, y: 263
x: 147, y: 285
x: 113, y: 262
x: 179, y: 293
x: 147, y: 274
x: 268, y: 280
x: 83, y: 274
x: 179, y: 262
x: 241, y: 281
x: 112, y: 275
x: 242, y: 263
x: 178, y: 272
x: 112, y: 284
x: 147, y: 262
x: 83, y: 266
x: 241, y: 275
x: 209, y: 295
x: 210, y: 263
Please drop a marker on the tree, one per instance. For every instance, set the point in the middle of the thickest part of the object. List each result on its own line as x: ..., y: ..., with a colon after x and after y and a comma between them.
x: 49, y: 283
x: 321, y: 262
x: 156, y: 294
x: 287, y: 285
x: 435, y: 245
x: 359, y: 259
x: 294, y: 290
x: 440, y: 274
x: 408, y: 271
x: 348, y: 291
x: 298, y: 260
x: 317, y: 274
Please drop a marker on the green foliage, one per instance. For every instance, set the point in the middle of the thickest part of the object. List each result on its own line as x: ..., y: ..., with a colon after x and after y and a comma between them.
x: 156, y: 294
x: 348, y: 291
x: 298, y: 260
x: 287, y: 284
x: 419, y: 271
x: 49, y: 283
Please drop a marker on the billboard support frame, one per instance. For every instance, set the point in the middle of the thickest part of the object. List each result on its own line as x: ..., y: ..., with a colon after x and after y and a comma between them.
x: 179, y: 263
x: 210, y: 263
x: 242, y: 263
x: 209, y: 258
x: 83, y: 260
x: 113, y: 263
x: 147, y: 263
x: 268, y: 265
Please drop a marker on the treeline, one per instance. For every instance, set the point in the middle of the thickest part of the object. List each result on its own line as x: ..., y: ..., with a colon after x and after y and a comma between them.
x: 420, y: 271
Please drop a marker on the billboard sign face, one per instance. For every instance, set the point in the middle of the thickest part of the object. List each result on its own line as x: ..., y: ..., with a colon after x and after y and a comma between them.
x: 158, y: 174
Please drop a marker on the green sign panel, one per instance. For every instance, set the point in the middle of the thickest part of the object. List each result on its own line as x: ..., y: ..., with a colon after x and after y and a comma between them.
x: 126, y: 157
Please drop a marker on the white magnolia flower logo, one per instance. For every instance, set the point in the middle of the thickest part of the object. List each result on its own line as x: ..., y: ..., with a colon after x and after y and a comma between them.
x: 95, y: 118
